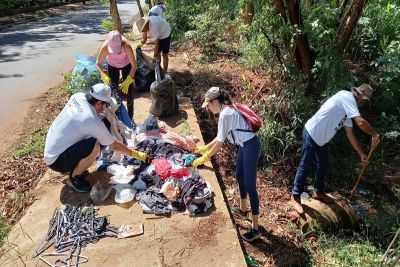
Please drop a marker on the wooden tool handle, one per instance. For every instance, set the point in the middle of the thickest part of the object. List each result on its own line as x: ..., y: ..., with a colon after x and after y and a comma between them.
x: 361, y: 173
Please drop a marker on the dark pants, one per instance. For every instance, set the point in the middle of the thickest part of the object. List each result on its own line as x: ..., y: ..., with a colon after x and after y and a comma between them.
x: 164, y: 45
x: 246, y: 172
x: 113, y: 73
x: 310, y: 152
x: 69, y: 159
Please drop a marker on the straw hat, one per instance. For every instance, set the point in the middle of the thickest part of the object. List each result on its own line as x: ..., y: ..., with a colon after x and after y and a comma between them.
x: 140, y: 23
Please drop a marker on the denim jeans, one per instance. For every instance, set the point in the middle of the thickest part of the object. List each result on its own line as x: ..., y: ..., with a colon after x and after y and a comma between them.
x: 246, y: 172
x: 310, y: 152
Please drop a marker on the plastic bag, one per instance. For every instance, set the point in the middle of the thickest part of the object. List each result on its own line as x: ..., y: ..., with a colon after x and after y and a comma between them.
x: 144, y: 75
x: 84, y: 64
x: 251, y: 261
x: 99, y: 193
x: 84, y: 74
x: 163, y: 95
x: 124, y: 194
x: 151, y: 123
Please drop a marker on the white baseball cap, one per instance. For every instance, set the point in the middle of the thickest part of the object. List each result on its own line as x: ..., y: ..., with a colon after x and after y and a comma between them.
x: 101, y: 92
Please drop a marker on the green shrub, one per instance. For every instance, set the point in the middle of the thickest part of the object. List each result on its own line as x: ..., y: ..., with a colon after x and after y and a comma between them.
x: 254, y: 53
x: 12, y: 4
x: 213, y: 31
x: 179, y: 15
x: 283, y: 116
x: 80, y: 83
x: 265, y: 38
x: 107, y: 24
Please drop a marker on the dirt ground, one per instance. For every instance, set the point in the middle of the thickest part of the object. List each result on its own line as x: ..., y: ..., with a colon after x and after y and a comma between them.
x: 279, y: 245
x: 179, y: 240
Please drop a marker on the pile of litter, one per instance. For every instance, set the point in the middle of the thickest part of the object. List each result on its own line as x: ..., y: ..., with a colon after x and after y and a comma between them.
x: 163, y: 184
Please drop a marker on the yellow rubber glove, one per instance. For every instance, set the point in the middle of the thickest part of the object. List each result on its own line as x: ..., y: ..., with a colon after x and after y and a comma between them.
x: 200, y: 161
x: 105, y: 78
x: 139, y: 45
x: 124, y: 86
x: 201, y: 149
x: 139, y: 155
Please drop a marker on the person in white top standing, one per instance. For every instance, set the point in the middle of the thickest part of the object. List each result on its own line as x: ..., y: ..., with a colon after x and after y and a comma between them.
x: 337, y: 112
x: 160, y: 31
x: 158, y: 9
x: 74, y: 137
x: 233, y: 126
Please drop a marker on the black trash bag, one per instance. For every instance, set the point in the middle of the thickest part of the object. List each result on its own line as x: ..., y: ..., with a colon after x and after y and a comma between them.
x: 164, y: 102
x: 144, y: 75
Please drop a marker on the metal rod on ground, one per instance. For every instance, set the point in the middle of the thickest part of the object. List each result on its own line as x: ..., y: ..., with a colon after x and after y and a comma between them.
x: 361, y: 173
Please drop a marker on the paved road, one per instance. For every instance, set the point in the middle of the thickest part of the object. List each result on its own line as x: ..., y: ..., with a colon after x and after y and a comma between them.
x: 34, y: 55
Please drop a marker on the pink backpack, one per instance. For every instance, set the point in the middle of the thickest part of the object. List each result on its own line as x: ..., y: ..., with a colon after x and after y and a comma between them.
x: 251, y: 117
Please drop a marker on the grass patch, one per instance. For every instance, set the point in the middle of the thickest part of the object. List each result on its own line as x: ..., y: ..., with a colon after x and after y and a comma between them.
x: 344, y: 251
x: 107, y: 24
x: 34, y: 145
x: 4, y: 230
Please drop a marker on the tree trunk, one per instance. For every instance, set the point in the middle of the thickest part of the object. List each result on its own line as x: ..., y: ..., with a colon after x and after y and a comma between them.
x: 303, y: 55
x: 115, y: 15
x: 248, y: 16
x: 280, y: 7
x: 342, y: 9
x: 349, y: 22
x: 140, y: 8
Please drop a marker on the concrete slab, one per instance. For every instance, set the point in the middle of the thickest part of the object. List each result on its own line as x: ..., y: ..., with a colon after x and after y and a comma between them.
x: 178, y: 240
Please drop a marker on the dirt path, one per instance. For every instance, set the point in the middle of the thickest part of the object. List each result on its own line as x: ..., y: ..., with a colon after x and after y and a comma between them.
x: 176, y: 241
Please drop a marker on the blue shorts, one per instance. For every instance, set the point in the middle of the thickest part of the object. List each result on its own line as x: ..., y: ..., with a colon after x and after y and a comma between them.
x: 164, y: 45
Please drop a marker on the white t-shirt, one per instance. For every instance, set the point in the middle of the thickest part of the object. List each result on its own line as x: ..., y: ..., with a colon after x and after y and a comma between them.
x: 77, y: 121
x: 159, y: 28
x: 158, y: 10
x: 334, y: 113
x: 229, y: 120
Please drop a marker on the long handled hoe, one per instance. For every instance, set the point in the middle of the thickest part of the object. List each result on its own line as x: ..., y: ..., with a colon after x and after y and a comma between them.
x: 361, y: 173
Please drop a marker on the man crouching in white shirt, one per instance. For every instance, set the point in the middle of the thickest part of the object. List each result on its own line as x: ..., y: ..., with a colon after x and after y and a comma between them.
x: 74, y: 138
x: 337, y: 112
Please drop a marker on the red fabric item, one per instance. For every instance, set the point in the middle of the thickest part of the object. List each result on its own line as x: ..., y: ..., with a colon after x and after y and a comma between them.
x: 162, y: 166
x: 164, y: 169
x: 178, y: 173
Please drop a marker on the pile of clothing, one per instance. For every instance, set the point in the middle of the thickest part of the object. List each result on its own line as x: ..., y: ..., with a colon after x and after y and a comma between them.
x: 166, y: 182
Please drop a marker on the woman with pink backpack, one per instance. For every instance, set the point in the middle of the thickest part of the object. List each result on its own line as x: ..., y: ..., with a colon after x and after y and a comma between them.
x: 238, y: 123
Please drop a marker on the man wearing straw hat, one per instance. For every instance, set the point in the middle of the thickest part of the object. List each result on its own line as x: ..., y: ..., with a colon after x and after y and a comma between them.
x: 337, y: 112
x: 160, y: 31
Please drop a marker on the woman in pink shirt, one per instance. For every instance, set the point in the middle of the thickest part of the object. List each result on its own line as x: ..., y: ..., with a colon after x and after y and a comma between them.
x: 119, y: 56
